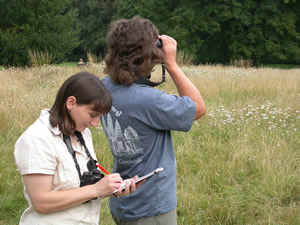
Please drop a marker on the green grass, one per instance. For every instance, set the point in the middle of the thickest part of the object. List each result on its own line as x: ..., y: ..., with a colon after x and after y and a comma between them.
x: 281, y: 66
x: 239, y: 164
x: 68, y: 64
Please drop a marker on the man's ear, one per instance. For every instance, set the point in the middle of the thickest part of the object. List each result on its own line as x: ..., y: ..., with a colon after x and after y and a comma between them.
x: 70, y: 103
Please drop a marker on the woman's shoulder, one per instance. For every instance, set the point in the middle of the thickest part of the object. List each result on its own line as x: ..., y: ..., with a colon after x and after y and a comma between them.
x: 38, y: 132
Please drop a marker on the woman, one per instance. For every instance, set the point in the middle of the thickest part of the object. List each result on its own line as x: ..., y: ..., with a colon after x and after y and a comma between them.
x: 55, y: 155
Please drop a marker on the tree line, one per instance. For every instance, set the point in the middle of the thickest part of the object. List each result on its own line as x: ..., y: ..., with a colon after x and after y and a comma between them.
x: 213, y: 31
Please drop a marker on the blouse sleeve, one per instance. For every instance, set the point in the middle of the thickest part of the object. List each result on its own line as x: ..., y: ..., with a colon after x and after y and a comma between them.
x: 34, y: 154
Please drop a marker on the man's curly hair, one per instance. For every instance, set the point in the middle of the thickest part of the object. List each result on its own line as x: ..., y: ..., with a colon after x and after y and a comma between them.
x: 131, y: 50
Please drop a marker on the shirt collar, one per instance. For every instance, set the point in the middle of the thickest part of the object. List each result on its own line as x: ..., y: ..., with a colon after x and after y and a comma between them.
x: 44, y: 118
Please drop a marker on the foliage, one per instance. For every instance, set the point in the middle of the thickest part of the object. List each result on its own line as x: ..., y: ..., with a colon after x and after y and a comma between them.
x: 218, y: 32
x: 36, y: 25
x: 212, y: 31
x: 94, y: 17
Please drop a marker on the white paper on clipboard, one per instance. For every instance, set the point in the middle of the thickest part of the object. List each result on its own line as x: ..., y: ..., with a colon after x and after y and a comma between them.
x: 123, y: 185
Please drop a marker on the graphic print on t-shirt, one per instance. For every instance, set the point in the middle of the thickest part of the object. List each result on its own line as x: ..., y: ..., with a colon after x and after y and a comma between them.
x: 125, y: 143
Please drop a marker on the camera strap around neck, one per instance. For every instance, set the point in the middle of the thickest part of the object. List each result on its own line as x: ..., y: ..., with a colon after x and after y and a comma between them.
x: 82, y: 142
x: 67, y: 141
x: 148, y: 82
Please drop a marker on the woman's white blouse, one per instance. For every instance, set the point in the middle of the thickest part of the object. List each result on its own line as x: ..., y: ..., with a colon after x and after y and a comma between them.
x: 41, y: 150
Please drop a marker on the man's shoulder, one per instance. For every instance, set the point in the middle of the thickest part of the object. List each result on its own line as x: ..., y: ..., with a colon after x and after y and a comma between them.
x: 106, y: 79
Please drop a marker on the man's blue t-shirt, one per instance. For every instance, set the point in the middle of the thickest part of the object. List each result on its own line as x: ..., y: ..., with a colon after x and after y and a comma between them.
x: 138, y: 129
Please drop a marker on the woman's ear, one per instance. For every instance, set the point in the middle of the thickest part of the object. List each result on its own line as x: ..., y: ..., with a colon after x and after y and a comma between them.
x: 70, y: 103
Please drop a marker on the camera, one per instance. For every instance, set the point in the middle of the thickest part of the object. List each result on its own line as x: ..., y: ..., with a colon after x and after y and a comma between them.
x: 158, y: 43
x: 91, y: 177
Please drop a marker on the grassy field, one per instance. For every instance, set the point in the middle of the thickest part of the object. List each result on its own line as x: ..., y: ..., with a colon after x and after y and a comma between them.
x: 239, y: 164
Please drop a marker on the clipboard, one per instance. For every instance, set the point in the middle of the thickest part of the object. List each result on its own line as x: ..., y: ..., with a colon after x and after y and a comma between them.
x: 123, y: 185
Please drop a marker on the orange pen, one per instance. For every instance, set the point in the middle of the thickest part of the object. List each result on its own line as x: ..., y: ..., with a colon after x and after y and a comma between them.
x: 101, y: 168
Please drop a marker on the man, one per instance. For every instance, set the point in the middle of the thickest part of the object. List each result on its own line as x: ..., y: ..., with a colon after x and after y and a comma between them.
x: 138, y: 127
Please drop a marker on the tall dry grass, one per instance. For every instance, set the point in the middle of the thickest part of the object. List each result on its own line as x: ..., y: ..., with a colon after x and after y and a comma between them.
x: 93, y: 58
x: 40, y: 58
x: 239, y: 164
x: 185, y: 58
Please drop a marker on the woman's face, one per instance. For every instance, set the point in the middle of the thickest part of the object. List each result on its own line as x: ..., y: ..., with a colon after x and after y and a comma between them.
x: 84, y: 116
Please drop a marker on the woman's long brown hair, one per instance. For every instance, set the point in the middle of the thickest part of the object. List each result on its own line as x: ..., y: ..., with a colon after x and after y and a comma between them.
x: 88, y: 90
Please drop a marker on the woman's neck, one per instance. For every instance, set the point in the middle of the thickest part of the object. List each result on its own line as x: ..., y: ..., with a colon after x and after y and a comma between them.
x: 74, y: 140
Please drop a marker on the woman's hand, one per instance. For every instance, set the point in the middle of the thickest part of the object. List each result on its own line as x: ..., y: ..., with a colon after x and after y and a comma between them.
x: 107, y: 185
x: 130, y: 187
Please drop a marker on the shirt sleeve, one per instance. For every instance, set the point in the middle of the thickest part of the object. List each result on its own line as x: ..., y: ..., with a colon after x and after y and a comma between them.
x: 34, y: 154
x: 163, y: 111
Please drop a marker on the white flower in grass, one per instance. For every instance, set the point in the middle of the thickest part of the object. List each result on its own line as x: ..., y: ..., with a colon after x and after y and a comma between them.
x: 211, y: 115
